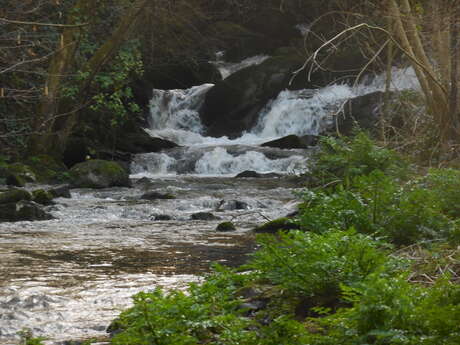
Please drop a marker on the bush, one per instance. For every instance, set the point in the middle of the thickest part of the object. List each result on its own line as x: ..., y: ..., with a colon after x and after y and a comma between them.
x: 309, y: 264
x: 341, y: 159
x: 376, y: 204
x: 209, y: 313
x: 393, y: 311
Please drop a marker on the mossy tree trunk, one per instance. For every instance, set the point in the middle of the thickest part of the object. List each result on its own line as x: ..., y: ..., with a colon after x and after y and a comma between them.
x: 58, y: 114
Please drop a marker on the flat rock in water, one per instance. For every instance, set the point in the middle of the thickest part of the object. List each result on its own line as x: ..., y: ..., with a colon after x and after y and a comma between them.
x: 203, y: 216
x: 293, y: 142
x: 156, y: 196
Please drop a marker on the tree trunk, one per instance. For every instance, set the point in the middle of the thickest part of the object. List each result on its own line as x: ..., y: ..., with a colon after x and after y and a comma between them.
x: 58, y: 115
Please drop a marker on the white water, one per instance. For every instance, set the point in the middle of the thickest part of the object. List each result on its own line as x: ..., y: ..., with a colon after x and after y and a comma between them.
x: 175, y: 116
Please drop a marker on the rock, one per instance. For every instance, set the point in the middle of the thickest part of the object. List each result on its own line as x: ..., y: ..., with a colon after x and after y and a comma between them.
x: 142, y: 142
x: 98, y: 173
x: 42, y: 197
x: 15, y: 195
x: 18, y: 174
x: 293, y: 142
x: 248, y: 173
x: 225, y: 227
x: 15, y: 180
x: 233, y: 205
x: 47, y: 169
x: 173, y: 75
x: 272, y: 227
x: 157, y: 195
x: 22, y: 210
x: 162, y: 217
x: 233, y: 105
x: 362, y: 112
x: 62, y: 191
x: 240, y: 42
x: 254, y: 174
x: 203, y: 216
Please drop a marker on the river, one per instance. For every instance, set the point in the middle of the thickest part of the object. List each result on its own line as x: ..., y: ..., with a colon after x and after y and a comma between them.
x: 67, y: 278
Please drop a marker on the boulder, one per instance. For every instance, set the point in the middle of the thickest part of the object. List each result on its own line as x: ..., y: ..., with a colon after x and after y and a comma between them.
x: 47, y: 169
x: 272, y: 227
x: 62, y: 191
x: 14, y: 195
x: 42, y: 197
x: 203, y: 216
x: 141, y: 142
x: 232, y: 106
x: 18, y: 174
x: 173, y: 75
x: 362, y: 112
x: 293, y: 142
x: 22, y: 211
x: 233, y: 205
x: 226, y: 227
x: 162, y: 217
x: 98, y: 173
x: 157, y: 195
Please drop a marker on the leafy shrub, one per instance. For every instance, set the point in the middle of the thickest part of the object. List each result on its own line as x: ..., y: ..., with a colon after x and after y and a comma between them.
x: 341, y: 159
x: 208, y: 313
x: 377, y: 204
x: 310, y: 264
x: 393, y: 311
x: 445, y: 184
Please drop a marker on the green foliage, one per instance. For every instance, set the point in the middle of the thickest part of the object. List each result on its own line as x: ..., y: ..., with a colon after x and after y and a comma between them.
x: 209, y: 312
x: 334, y: 281
x: 393, y: 311
x: 377, y: 204
x: 309, y: 264
x: 445, y: 184
x: 341, y: 159
x: 27, y: 338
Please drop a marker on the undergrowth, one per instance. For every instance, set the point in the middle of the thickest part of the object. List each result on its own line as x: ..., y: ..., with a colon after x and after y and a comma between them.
x: 370, y: 230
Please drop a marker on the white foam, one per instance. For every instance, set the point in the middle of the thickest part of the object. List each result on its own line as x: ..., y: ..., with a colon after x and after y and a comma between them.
x: 220, y: 162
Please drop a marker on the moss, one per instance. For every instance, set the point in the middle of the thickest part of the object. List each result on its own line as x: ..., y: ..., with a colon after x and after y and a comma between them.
x: 14, y: 195
x: 42, y: 196
x: 226, y: 226
x: 275, y: 225
x: 47, y: 169
x: 98, y: 173
x: 22, y: 171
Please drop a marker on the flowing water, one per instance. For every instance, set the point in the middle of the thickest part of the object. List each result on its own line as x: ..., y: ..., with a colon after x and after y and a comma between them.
x: 67, y: 278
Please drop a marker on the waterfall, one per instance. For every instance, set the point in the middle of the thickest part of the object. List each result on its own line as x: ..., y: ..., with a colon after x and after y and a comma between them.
x: 175, y: 116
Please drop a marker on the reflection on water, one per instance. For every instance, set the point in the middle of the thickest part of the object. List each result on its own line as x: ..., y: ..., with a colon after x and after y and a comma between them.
x: 68, y: 278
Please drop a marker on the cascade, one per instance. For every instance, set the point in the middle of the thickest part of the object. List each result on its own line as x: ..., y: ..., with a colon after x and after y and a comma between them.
x: 174, y: 115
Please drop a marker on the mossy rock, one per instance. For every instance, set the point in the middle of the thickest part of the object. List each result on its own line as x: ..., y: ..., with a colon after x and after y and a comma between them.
x: 22, y: 211
x: 42, y: 197
x: 18, y: 174
x: 99, y: 173
x: 14, y: 195
x: 276, y: 225
x: 47, y: 169
x: 203, y: 216
x: 226, y: 227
